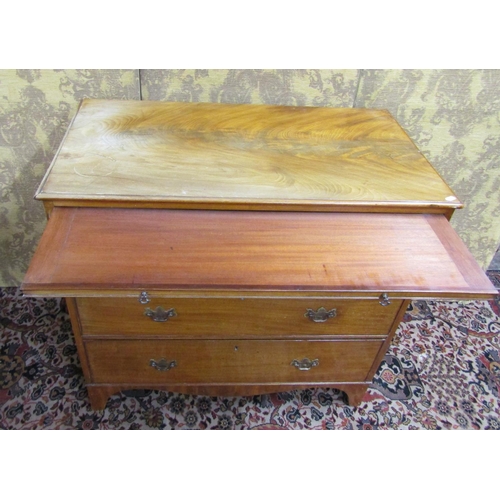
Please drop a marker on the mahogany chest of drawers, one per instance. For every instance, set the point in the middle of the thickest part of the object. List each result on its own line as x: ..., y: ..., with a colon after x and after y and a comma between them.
x: 242, y: 249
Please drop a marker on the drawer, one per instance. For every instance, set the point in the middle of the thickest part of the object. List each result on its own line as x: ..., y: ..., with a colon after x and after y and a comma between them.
x: 235, y: 317
x: 230, y: 362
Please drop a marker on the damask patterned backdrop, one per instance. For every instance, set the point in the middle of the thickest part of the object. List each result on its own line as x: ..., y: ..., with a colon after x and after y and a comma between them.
x: 453, y: 116
x: 36, y: 107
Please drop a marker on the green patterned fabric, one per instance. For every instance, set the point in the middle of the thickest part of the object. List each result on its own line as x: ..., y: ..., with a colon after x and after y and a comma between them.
x: 36, y: 107
x: 452, y: 116
x: 293, y: 87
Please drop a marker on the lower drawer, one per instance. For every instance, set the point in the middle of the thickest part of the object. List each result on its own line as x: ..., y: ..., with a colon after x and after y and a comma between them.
x: 230, y: 362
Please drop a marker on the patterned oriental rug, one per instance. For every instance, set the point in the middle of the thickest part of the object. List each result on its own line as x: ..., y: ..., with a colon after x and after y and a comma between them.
x: 442, y: 371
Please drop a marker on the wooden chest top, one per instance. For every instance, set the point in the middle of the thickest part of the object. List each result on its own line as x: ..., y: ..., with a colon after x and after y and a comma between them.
x: 203, y: 155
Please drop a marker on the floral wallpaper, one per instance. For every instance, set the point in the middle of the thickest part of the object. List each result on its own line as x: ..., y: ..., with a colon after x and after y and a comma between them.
x: 452, y: 116
x: 36, y: 107
x: 291, y: 87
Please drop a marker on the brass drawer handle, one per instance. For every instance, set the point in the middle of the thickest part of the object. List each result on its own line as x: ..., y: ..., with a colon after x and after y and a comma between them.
x: 160, y: 314
x: 321, y: 315
x: 305, y: 364
x: 162, y: 365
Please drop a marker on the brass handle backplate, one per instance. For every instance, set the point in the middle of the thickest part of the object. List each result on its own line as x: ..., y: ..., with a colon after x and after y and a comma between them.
x: 321, y: 315
x: 162, y: 365
x: 160, y: 314
x: 305, y: 364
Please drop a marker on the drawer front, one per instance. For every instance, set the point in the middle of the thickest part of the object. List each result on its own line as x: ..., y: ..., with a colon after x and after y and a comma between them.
x: 235, y: 317
x: 230, y: 362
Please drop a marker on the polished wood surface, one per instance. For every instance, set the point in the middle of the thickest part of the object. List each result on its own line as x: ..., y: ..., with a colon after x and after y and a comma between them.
x: 241, y: 217
x: 234, y: 317
x: 272, y: 207
x: 385, y: 346
x: 204, y: 155
x: 85, y: 249
x: 100, y: 392
x: 230, y: 361
x: 77, y: 334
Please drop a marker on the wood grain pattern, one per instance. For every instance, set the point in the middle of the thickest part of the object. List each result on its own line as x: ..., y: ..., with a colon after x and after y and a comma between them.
x: 99, y: 393
x: 122, y: 249
x: 194, y: 207
x: 77, y: 333
x: 275, y: 206
x: 234, y: 317
x: 242, y: 156
x: 230, y: 362
x: 388, y: 340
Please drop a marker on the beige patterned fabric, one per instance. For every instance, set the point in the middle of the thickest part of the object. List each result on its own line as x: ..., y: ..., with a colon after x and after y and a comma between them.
x: 291, y: 87
x: 452, y: 116
x: 36, y: 107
